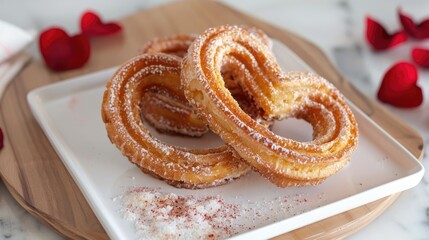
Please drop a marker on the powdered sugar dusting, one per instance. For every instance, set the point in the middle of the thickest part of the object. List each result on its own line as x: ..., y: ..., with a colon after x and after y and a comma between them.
x: 180, y: 167
x: 162, y: 215
x: 280, y: 95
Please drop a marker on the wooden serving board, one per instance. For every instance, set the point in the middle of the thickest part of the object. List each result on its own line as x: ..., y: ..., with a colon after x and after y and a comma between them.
x: 38, y: 180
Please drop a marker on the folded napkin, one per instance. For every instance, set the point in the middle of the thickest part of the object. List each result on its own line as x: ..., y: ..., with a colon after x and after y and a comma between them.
x: 10, y: 68
x: 12, y: 41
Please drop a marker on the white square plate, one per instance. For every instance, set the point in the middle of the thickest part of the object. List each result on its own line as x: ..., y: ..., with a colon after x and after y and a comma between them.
x: 69, y: 113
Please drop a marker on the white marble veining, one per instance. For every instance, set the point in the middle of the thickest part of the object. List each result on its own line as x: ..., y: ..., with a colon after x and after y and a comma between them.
x: 336, y: 26
x: 18, y: 224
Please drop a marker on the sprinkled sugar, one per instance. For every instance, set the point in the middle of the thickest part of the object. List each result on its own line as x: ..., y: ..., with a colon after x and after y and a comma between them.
x: 160, y: 215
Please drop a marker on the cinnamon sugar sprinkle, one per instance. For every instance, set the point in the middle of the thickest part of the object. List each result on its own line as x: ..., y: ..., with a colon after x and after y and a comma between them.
x: 161, y: 215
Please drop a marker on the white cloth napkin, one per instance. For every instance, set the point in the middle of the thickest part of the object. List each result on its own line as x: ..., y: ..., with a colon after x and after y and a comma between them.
x: 10, y: 68
x: 12, y: 41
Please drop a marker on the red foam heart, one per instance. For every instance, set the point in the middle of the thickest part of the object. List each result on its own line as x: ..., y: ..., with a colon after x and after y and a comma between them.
x: 420, y: 56
x: 1, y: 139
x: 418, y: 31
x: 379, y: 38
x: 92, y: 25
x: 399, y: 86
x: 62, y: 52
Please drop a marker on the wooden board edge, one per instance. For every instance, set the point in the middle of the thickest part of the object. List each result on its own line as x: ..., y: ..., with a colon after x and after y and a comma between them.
x: 52, y: 224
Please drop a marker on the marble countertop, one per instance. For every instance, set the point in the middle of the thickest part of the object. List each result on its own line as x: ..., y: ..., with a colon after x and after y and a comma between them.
x: 336, y: 26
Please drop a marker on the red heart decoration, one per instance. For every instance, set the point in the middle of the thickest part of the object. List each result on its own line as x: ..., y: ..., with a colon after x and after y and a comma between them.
x: 1, y: 139
x: 92, y: 25
x: 62, y: 52
x: 399, y: 86
x: 420, y: 57
x: 419, y: 31
x: 379, y: 38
